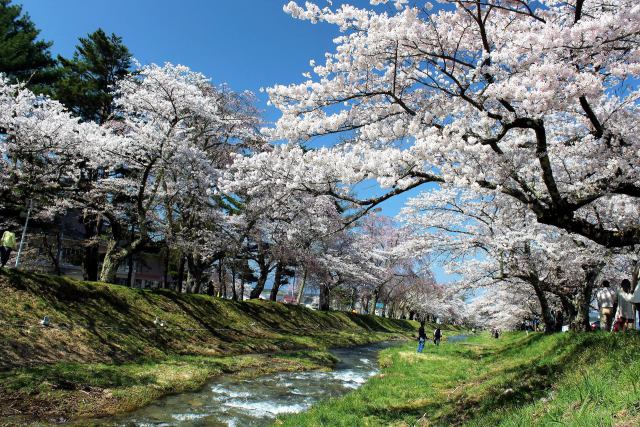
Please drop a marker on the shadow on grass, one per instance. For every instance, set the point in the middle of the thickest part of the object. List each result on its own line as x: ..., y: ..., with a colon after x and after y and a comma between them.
x: 502, y: 388
x: 97, y: 322
x: 72, y: 376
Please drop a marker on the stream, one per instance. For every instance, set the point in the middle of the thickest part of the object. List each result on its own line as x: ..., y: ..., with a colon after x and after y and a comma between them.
x: 229, y: 401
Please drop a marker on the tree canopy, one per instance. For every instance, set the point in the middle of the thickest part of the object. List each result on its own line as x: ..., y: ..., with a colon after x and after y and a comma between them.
x: 23, y: 57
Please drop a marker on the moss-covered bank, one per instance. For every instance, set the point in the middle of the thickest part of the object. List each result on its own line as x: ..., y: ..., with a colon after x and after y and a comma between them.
x: 111, y: 349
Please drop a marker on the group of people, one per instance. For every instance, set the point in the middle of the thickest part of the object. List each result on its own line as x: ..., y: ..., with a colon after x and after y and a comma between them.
x: 7, y: 244
x: 617, y: 308
x: 422, y: 337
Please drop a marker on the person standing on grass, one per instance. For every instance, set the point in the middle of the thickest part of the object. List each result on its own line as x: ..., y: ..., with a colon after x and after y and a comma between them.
x: 422, y: 337
x: 607, y: 302
x: 633, y: 295
x: 625, y: 315
x: 437, y: 335
x: 7, y: 244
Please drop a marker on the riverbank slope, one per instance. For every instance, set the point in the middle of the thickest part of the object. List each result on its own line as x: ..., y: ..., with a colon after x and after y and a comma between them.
x: 111, y: 349
x: 589, y: 379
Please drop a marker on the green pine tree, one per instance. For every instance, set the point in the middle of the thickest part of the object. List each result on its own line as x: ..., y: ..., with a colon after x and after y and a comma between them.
x: 22, y: 56
x: 86, y: 81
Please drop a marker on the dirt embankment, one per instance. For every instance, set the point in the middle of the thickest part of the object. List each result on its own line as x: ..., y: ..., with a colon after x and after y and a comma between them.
x: 95, y: 322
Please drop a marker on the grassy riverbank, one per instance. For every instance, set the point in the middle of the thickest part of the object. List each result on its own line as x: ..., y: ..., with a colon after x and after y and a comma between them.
x: 104, y: 354
x: 518, y: 380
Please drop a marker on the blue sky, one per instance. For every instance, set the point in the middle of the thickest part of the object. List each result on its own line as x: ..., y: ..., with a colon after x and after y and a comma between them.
x: 247, y: 44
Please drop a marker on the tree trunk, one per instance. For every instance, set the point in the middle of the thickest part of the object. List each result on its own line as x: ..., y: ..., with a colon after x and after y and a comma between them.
x: 374, y: 302
x: 180, y: 278
x: 365, y: 304
x: 634, y: 283
x: 567, y: 308
x: 301, y: 286
x: 547, y: 317
x: 583, y: 303
x: 234, y: 295
x: 55, y: 257
x: 112, y: 259
x: 92, y: 248
x: 277, y: 280
x: 242, y: 289
x: 324, y: 302
x: 130, y: 271
x: 262, y: 280
x: 165, y: 273
x: 211, y: 291
x: 222, y: 280
x: 196, y: 273
x: 59, y: 247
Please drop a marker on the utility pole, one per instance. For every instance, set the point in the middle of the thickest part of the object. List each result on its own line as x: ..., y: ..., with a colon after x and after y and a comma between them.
x: 24, y: 233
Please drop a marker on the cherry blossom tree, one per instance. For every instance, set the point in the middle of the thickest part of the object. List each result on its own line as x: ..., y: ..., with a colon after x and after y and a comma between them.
x: 176, y: 134
x: 487, y: 240
x: 41, y: 144
x: 533, y: 100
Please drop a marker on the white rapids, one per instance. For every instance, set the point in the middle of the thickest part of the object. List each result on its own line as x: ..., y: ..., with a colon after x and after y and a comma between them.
x: 229, y: 401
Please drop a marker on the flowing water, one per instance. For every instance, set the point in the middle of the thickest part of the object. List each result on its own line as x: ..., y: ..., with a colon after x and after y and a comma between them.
x: 456, y: 338
x: 229, y: 401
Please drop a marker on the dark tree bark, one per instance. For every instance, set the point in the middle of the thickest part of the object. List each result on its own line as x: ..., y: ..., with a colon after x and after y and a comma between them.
x: 277, y: 281
x: 262, y: 280
x: 196, y: 273
x: 130, y: 270
x: 92, y: 225
x: 165, y: 272
x: 180, y: 279
x: 583, y: 301
x: 545, y: 309
x: 221, y: 280
x: 54, y: 256
x: 374, y: 304
x: 265, y: 268
x: 354, y: 299
x: 234, y: 294
x: 324, y: 303
x: 301, y: 285
x: 568, y: 310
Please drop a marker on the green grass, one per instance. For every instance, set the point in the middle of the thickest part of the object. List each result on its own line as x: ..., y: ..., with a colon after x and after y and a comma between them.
x: 96, y: 322
x: 55, y: 391
x: 105, y: 355
x: 518, y: 380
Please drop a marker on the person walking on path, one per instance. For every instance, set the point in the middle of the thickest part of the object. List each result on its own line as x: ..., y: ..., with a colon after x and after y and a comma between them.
x: 422, y: 337
x: 437, y: 335
x: 607, y: 302
x: 7, y: 244
x: 625, y: 315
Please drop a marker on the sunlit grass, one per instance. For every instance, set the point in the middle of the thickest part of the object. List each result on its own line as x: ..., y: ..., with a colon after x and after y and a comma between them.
x: 518, y: 380
x: 105, y: 355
